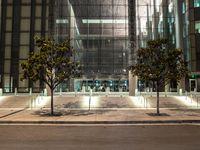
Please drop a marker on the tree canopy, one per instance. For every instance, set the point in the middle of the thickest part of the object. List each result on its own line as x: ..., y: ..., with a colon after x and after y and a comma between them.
x: 52, y: 64
x: 161, y: 63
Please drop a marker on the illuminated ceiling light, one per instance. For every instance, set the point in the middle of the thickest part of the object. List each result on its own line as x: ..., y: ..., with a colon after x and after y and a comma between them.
x: 62, y: 21
x: 105, y: 21
x: 94, y: 102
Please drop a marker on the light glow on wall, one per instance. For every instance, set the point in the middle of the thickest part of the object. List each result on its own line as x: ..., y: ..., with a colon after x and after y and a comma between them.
x: 139, y: 102
x: 40, y: 101
x: 93, y: 100
x: 3, y: 99
x: 188, y: 101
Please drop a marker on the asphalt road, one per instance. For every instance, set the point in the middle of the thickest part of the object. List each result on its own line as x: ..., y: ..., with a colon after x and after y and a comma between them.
x: 109, y: 137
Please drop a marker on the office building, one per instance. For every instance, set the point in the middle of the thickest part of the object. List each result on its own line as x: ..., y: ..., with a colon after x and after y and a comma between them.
x: 105, y: 34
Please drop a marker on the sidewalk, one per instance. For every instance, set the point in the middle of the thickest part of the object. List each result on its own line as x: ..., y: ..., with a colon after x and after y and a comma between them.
x: 101, y: 116
x: 104, y: 110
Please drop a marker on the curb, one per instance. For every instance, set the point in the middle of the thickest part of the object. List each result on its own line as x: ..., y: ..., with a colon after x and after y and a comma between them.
x: 102, y: 122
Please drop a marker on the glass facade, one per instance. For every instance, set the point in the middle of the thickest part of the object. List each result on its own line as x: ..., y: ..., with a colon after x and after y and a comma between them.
x: 20, y: 22
x: 101, y: 31
x: 185, y: 29
x: 155, y: 19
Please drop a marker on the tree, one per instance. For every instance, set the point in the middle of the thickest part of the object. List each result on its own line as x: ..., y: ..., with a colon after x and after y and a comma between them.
x: 52, y: 64
x: 159, y: 63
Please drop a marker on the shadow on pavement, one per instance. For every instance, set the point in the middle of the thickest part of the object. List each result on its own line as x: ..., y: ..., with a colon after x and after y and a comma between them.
x: 69, y: 112
x: 155, y: 114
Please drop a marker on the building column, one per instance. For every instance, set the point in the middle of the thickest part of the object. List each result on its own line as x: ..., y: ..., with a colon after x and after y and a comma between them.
x: 132, y: 84
x: 132, y: 44
x: 179, y: 41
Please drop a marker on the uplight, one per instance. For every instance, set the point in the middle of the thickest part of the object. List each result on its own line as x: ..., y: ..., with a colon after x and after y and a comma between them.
x: 93, y: 101
x: 186, y: 101
x: 3, y: 98
x: 40, y: 101
x: 139, y: 101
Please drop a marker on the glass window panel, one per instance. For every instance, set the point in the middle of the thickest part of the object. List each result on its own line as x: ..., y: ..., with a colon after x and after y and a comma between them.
x: 9, y: 1
x: 47, y: 12
x: 20, y: 68
x: 94, y: 11
x: 25, y: 11
x: 94, y: 2
x: 120, y: 25
x: 119, y: 11
x: 36, y: 86
x: 95, y: 31
x: 8, y: 39
x: 25, y: 25
x: 47, y: 25
x: 7, y: 66
x: 107, y: 11
x: 24, y: 39
x: 120, y: 2
x: 7, y: 83
x: 106, y: 23
x: 81, y: 2
x: 8, y: 25
x: 81, y: 10
x: 38, y: 11
x: 37, y: 24
x: 39, y: 1
x: 196, y: 3
x: 9, y: 11
x: 26, y: 1
x: 197, y: 27
x: 7, y: 52
x: 23, y: 84
x: 24, y: 52
x: 107, y: 2
x: 108, y: 32
x: 120, y: 32
x: 93, y: 44
x: 83, y: 32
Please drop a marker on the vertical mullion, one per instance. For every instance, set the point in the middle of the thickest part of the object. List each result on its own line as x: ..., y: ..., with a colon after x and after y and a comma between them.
x: 14, y: 69
x: 2, y: 40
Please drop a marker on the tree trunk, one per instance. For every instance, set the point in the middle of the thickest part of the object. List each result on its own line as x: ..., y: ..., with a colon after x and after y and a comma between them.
x: 52, y: 102
x: 157, y: 89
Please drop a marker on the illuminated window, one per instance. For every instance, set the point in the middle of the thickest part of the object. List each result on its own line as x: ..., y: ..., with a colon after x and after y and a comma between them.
x: 183, y: 8
x: 196, y: 3
x: 197, y: 26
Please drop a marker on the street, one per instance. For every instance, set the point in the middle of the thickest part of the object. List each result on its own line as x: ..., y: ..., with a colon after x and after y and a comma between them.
x: 99, y: 137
